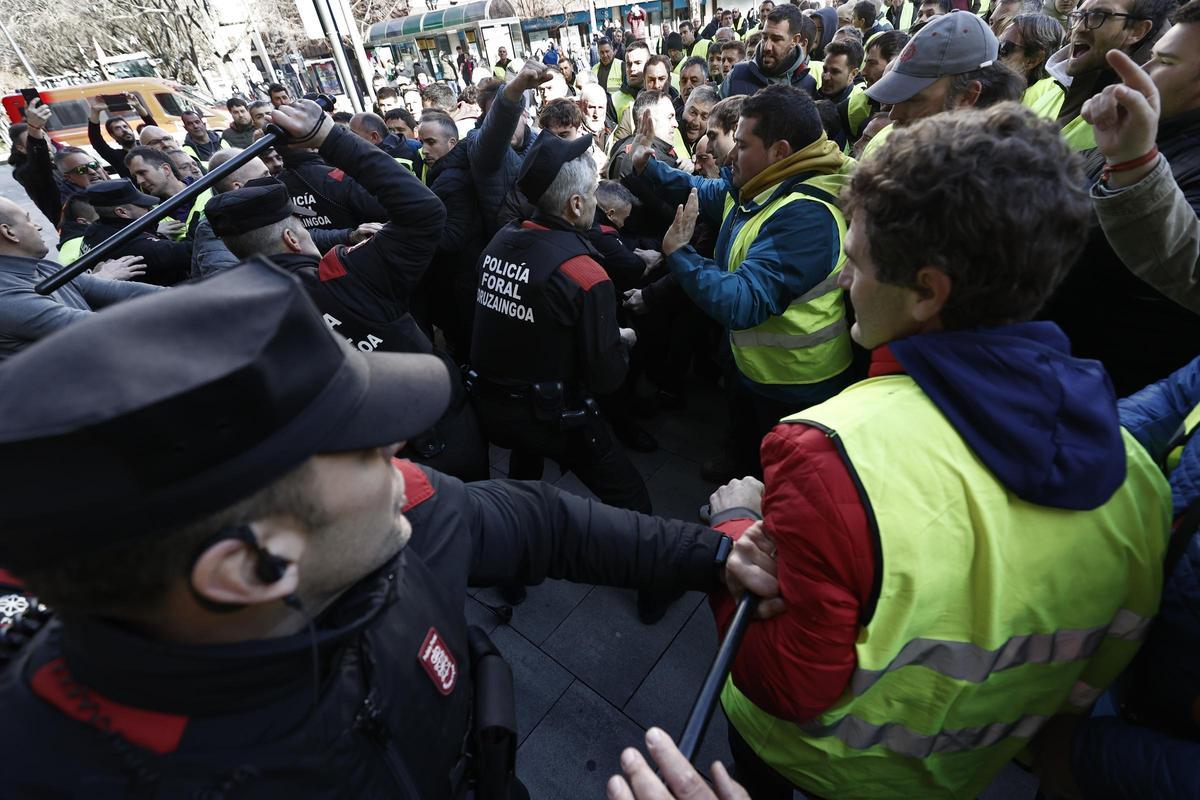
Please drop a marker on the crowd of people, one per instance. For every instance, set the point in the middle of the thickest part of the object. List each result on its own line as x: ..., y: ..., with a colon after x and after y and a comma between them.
x: 941, y: 260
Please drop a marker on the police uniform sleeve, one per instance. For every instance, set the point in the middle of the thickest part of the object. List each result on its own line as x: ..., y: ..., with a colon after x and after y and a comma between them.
x: 167, y: 262
x: 583, y: 284
x: 390, y: 264
x: 528, y: 531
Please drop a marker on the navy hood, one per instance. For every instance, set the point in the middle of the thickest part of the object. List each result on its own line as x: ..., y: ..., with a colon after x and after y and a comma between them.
x: 829, y: 26
x: 1043, y: 422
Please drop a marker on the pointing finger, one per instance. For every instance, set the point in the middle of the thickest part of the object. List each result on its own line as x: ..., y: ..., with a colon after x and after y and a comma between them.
x: 1133, y: 76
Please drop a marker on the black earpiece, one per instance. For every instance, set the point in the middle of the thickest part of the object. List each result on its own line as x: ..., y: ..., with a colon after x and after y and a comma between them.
x: 269, y: 568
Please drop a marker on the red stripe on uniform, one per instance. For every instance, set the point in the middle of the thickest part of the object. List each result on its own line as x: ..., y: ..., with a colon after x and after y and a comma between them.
x: 331, y: 266
x: 608, y: 229
x: 530, y: 225
x: 336, y: 174
x: 155, y: 731
x: 584, y: 271
x: 417, y: 488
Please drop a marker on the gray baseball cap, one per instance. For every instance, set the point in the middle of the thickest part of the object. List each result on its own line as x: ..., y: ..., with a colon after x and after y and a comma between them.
x: 951, y: 44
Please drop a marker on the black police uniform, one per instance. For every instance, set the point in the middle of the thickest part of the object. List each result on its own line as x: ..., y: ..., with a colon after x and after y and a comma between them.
x: 545, y: 341
x: 365, y: 291
x: 238, y: 719
x: 335, y: 199
x: 167, y: 261
x: 384, y: 695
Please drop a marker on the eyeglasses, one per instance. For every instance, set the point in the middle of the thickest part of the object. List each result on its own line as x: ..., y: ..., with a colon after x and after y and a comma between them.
x: 1007, y: 48
x: 1094, y: 19
x: 84, y: 169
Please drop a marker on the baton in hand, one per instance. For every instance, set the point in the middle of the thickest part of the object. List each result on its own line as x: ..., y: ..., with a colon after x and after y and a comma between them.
x: 151, y: 219
x: 710, y: 690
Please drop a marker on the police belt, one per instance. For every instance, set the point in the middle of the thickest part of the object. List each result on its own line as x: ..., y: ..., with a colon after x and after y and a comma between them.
x: 547, y: 399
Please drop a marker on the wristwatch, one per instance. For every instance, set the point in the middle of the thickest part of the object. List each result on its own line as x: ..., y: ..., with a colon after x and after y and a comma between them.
x: 724, y: 548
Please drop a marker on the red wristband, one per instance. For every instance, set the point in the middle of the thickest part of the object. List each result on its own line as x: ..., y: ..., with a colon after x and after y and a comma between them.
x: 1125, y: 166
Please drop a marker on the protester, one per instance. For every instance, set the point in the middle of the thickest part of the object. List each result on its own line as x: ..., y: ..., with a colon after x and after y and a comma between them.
x: 901, y: 13
x: 155, y: 174
x: 240, y: 132
x: 279, y: 95
x: 593, y: 101
x: 288, y: 541
x: 659, y: 122
x: 782, y: 58
x: 1093, y: 29
x: 693, y: 73
x: 1003, y: 12
x: 781, y: 241
x: 1156, y: 201
x: 839, y: 74
x: 200, y: 141
x: 695, y: 116
x: 401, y: 122
x: 1026, y: 43
x: 258, y: 113
x: 865, y: 19
x: 1105, y: 283
x: 387, y: 99
x: 51, y: 180
x: 732, y: 53
x: 118, y: 128
x: 186, y: 165
x: 637, y: 54
x: 927, y: 80
x: 883, y: 501
x: 25, y: 315
x: 715, y: 68
x: 371, y: 127
x: 156, y: 137
x: 610, y: 69
x: 928, y: 10
x: 825, y: 22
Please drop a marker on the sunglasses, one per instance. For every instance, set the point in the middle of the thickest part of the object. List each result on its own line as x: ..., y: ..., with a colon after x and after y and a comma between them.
x: 84, y: 169
x: 1008, y: 48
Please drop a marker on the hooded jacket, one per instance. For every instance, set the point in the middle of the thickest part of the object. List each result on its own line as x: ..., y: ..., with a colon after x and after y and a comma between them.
x: 829, y: 26
x: 1043, y: 423
x: 749, y: 76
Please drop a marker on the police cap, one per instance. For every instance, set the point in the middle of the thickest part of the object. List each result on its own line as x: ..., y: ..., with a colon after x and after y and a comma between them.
x: 165, y: 409
x: 108, y: 194
x: 260, y: 202
x: 545, y: 159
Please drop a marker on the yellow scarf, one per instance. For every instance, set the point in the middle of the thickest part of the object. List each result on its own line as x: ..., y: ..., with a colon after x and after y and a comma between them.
x: 822, y: 156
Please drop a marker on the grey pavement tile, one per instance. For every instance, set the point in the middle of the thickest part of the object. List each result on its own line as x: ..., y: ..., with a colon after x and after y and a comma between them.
x: 648, y: 463
x: 537, y: 681
x: 603, y: 643
x: 544, y: 609
x: 678, y: 491
x: 576, y: 748
x: 480, y: 616
x: 665, y: 698
x: 571, y: 483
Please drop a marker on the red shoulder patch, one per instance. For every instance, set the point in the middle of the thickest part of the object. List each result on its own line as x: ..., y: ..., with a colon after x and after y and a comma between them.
x: 584, y: 271
x: 609, y: 229
x: 530, y: 225
x: 155, y: 731
x: 439, y: 663
x: 8, y: 579
x: 417, y: 488
x: 331, y: 266
x: 336, y: 174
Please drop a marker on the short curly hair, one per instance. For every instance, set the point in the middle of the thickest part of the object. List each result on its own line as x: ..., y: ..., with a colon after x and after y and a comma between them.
x: 561, y: 112
x: 992, y: 197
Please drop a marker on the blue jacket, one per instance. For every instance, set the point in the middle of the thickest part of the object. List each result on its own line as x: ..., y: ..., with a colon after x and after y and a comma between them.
x: 795, y: 249
x: 1112, y: 757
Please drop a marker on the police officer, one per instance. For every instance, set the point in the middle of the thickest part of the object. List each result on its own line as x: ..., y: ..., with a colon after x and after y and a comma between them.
x: 546, y: 338
x: 255, y: 599
x: 336, y: 200
x: 118, y: 203
x: 365, y: 291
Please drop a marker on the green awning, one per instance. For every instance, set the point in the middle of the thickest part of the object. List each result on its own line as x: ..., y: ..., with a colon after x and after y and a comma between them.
x: 457, y: 16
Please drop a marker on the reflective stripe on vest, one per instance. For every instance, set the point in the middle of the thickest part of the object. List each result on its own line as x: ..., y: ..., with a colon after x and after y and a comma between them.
x: 1189, y: 426
x: 620, y: 101
x: 906, y: 15
x: 810, y: 341
x: 993, y: 614
x: 196, y: 210
x: 70, y: 250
